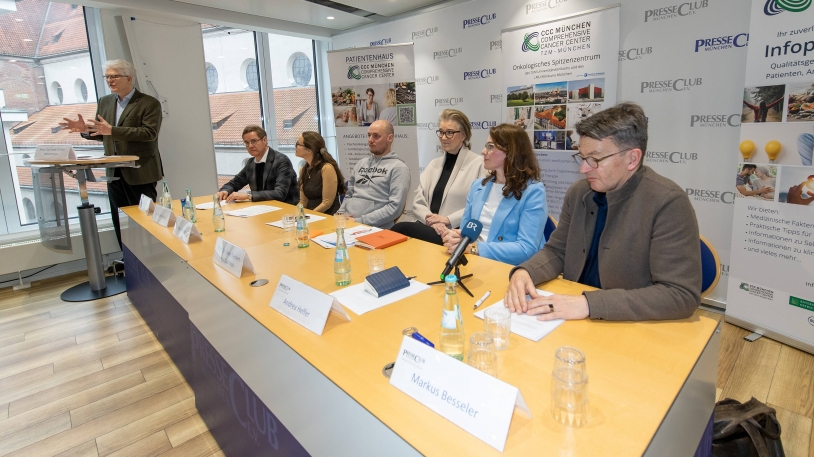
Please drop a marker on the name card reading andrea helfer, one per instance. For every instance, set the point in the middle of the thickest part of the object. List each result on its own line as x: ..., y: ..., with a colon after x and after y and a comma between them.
x: 469, y: 398
x: 305, y: 305
x: 146, y: 204
x: 163, y: 216
x: 231, y: 258
x: 185, y: 231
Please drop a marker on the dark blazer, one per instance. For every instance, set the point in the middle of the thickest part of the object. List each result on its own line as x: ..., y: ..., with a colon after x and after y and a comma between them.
x: 278, y: 176
x: 135, y: 134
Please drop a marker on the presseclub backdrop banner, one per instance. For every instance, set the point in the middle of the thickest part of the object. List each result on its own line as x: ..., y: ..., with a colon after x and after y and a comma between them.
x: 369, y: 84
x: 555, y: 74
x: 771, y: 282
x: 679, y: 60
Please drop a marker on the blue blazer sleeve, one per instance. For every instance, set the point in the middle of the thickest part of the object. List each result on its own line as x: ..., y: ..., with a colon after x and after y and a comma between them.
x: 521, y: 231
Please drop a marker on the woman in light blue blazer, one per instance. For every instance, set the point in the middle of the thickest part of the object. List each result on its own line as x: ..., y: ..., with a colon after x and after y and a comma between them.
x: 510, y: 202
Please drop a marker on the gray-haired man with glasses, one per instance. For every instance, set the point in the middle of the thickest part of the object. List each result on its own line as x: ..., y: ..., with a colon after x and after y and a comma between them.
x: 624, y: 229
x: 268, y: 173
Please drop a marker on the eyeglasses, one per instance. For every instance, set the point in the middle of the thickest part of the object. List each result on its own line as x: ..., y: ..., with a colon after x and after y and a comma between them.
x: 446, y: 134
x: 112, y: 77
x: 490, y: 147
x: 252, y: 142
x: 593, y: 162
x: 299, y: 144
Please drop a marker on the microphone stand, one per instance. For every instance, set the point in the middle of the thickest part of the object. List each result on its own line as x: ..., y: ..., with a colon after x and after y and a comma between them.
x: 461, y: 261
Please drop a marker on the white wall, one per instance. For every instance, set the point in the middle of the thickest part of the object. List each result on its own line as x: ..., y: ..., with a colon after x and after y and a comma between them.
x: 66, y: 73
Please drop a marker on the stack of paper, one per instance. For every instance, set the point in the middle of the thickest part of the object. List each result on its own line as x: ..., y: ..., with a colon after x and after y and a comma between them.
x: 210, y: 205
x: 251, y: 211
x: 528, y: 326
x: 311, y: 218
x: 328, y: 240
x: 357, y: 300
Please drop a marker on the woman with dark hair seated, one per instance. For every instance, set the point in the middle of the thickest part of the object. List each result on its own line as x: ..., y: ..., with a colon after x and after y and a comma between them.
x: 441, y: 193
x: 321, y: 182
x: 510, y: 202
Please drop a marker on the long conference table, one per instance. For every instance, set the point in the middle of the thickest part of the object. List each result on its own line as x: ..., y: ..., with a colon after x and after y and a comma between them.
x: 266, y: 386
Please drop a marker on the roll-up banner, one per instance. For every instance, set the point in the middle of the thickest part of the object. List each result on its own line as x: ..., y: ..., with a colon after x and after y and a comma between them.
x: 555, y: 74
x: 771, y: 285
x: 369, y: 84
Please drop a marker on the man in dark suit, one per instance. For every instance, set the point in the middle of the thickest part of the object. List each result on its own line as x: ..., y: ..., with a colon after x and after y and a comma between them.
x: 127, y: 123
x: 268, y: 173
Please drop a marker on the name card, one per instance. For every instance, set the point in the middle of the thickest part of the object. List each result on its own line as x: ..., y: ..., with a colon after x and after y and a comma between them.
x: 185, y: 230
x: 54, y: 152
x: 305, y: 305
x: 146, y: 204
x: 469, y: 398
x: 231, y: 258
x: 163, y: 216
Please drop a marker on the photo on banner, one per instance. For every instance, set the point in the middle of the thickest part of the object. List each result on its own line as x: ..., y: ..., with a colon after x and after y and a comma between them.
x: 556, y: 74
x: 771, y: 278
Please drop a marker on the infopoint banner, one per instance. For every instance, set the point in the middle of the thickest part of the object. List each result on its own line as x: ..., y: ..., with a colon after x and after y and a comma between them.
x: 678, y: 60
x: 369, y: 84
x: 771, y: 283
x: 556, y: 74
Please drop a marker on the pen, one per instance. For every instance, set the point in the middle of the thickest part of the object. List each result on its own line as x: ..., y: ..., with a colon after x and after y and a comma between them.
x: 411, y: 277
x: 482, y: 299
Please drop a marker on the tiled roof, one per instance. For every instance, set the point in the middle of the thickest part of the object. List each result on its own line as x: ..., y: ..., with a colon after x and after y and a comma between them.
x: 41, y: 126
x: 62, y: 31
x: 25, y: 178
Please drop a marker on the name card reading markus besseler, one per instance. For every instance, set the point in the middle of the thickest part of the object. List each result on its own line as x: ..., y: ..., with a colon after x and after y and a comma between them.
x: 305, y: 305
x: 163, y: 216
x: 230, y: 257
x: 469, y: 398
x: 146, y: 204
x: 185, y: 230
x: 54, y: 152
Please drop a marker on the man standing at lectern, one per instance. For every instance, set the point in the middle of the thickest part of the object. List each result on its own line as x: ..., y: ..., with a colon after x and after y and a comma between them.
x: 127, y: 123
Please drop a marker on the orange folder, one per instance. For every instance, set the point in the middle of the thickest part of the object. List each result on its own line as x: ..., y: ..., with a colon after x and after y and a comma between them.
x: 380, y: 240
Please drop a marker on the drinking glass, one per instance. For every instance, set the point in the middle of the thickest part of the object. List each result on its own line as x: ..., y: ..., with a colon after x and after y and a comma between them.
x: 289, y: 227
x: 482, y: 353
x: 497, y: 321
x: 375, y: 260
x: 568, y: 356
x: 569, y: 396
x: 339, y: 219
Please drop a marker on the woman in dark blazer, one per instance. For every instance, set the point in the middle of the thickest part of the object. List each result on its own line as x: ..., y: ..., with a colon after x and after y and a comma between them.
x: 321, y: 183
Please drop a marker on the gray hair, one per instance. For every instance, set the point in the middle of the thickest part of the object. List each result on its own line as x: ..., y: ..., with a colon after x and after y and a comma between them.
x: 122, y: 67
x: 764, y: 170
x: 625, y: 124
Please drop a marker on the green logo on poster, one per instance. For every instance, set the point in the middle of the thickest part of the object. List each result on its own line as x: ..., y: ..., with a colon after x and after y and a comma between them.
x: 353, y: 72
x: 529, y: 46
x: 774, y: 7
x: 744, y: 286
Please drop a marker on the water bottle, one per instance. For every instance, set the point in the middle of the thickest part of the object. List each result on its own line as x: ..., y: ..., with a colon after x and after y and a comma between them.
x: 189, y: 208
x: 218, y: 219
x: 166, y: 198
x: 451, y: 341
x: 341, y: 259
x: 303, y: 237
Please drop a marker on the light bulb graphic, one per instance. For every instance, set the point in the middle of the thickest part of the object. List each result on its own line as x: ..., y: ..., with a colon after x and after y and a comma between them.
x: 747, y: 148
x: 773, y: 149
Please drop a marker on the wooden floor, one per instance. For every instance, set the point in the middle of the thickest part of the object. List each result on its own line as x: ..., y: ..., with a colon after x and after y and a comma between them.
x: 89, y: 379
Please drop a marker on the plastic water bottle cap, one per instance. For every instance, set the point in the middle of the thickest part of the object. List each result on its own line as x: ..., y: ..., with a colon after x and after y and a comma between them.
x: 451, y: 278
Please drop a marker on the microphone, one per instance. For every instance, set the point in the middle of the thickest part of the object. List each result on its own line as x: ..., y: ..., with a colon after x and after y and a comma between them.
x: 469, y: 233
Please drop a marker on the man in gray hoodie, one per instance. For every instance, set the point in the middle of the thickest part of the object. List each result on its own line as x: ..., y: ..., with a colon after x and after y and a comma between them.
x: 378, y: 185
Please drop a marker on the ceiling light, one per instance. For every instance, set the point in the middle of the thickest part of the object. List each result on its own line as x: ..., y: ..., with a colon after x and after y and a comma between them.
x: 330, y: 17
x: 73, y: 68
x: 18, y: 19
x: 12, y: 60
x: 27, y: 39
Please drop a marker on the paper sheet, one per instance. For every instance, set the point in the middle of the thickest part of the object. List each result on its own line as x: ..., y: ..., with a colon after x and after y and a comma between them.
x: 252, y: 211
x: 210, y: 205
x: 328, y: 240
x: 311, y: 218
x: 528, y: 326
x: 357, y: 300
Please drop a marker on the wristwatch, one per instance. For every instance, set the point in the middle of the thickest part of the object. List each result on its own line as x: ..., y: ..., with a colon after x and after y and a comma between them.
x: 249, y: 193
x: 474, y: 248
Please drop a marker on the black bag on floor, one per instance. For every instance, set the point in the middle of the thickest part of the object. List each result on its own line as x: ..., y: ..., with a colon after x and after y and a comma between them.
x: 745, y: 430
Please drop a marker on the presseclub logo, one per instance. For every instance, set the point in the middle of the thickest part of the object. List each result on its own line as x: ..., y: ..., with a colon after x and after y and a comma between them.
x: 674, y: 11
x: 482, y: 20
x: 673, y: 85
x: 725, y: 42
x: 670, y: 157
x: 479, y: 74
x: 545, y: 5
x: 635, y: 53
x: 711, y: 196
x: 381, y: 42
x: 715, y: 120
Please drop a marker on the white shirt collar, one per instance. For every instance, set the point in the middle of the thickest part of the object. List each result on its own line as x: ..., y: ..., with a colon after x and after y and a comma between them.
x: 263, y: 159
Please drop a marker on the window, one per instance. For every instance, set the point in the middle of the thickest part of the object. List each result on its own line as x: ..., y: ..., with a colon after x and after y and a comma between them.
x: 47, y: 55
x: 81, y: 90
x: 211, y: 78
x: 301, y: 68
x: 56, y: 93
x: 252, y: 79
x: 234, y: 98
